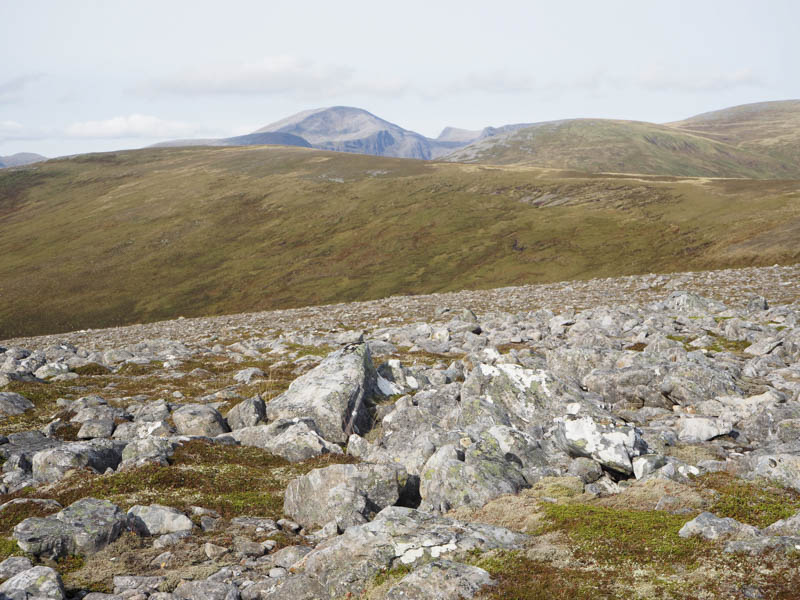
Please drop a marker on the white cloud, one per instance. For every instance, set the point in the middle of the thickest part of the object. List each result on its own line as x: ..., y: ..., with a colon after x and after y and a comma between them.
x: 282, y: 74
x: 130, y: 126
x: 676, y: 79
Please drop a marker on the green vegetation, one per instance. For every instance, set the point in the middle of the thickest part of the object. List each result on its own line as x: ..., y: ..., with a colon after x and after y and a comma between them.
x: 8, y: 548
x: 232, y: 480
x: 758, y: 503
x: 521, y: 578
x: 611, y: 146
x: 110, y: 239
x: 614, y: 535
x: 771, y: 128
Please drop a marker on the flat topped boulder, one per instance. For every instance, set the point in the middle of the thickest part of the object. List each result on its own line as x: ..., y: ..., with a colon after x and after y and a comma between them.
x: 12, y: 404
x: 397, y: 536
x: 199, y: 419
x: 157, y: 520
x: 37, y: 583
x: 346, y: 494
x: 334, y: 394
x: 84, y: 527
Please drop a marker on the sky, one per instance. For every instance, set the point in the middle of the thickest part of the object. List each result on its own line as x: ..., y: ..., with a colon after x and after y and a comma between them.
x: 98, y: 75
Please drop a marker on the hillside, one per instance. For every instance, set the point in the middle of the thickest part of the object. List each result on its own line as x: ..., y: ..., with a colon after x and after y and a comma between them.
x: 107, y: 239
x: 602, y: 145
x: 769, y: 127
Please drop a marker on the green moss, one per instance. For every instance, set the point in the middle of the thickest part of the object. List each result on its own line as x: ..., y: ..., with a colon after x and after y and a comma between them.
x: 233, y: 480
x: 91, y: 369
x: 612, y: 535
x: 520, y: 578
x: 394, y: 573
x: 9, y: 547
x: 758, y: 503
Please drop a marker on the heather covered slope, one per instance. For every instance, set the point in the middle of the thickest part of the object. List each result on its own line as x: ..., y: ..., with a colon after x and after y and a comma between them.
x: 603, y: 145
x: 772, y: 128
x: 125, y: 237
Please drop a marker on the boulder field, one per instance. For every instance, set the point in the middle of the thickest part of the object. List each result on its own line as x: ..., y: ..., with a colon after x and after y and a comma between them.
x: 422, y: 452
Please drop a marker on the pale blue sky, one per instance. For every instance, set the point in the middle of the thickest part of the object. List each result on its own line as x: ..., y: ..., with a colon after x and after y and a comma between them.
x: 79, y: 76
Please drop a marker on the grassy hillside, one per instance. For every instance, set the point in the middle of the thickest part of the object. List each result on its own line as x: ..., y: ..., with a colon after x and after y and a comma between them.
x: 602, y: 145
x: 771, y: 128
x: 106, y: 239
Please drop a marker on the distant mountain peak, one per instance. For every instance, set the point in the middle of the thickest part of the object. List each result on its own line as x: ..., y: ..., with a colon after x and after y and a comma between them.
x: 20, y: 159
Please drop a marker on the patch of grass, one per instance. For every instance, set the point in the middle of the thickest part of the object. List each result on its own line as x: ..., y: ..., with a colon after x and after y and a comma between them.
x: 9, y: 547
x: 758, y: 503
x: 637, y: 347
x: 43, y: 396
x: 722, y: 344
x: 612, y: 535
x: 133, y: 369
x: 91, y: 369
x: 521, y: 578
x: 233, y: 480
x: 394, y: 573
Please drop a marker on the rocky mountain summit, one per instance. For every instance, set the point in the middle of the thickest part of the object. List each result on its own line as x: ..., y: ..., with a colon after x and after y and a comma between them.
x: 635, y: 437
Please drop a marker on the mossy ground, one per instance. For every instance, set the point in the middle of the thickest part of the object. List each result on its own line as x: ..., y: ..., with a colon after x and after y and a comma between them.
x: 617, y: 551
x: 232, y: 480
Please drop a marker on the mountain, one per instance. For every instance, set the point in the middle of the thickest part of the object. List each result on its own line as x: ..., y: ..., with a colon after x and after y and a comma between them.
x: 135, y: 236
x: 20, y: 159
x: 348, y: 129
x: 251, y: 139
x: 769, y: 127
x: 467, y: 136
x: 604, y: 145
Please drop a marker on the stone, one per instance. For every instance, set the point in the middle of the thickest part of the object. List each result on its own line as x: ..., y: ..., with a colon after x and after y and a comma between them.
x: 334, y: 394
x: 397, y: 536
x: 139, y: 583
x: 206, y: 590
x: 246, y: 376
x: 701, y: 429
x: 199, y: 419
x: 612, y: 447
x: 440, y: 579
x: 96, y: 429
x: 85, y: 527
x: 35, y: 583
x: 711, y: 527
x: 14, y: 565
x: 288, y: 556
x: 12, y: 404
x: 157, y: 520
x: 247, y: 413
x: 51, y: 465
x: 346, y: 494
x: 586, y: 469
x: 293, y: 439
x: 213, y: 551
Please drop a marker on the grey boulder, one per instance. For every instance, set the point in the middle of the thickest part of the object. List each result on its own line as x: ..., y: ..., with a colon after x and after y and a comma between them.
x: 293, y: 439
x: 247, y: 413
x: 199, y: 419
x: 440, y: 579
x: 346, y: 494
x: 12, y: 404
x: 84, y: 527
x: 157, y: 520
x: 35, y: 583
x: 335, y: 394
